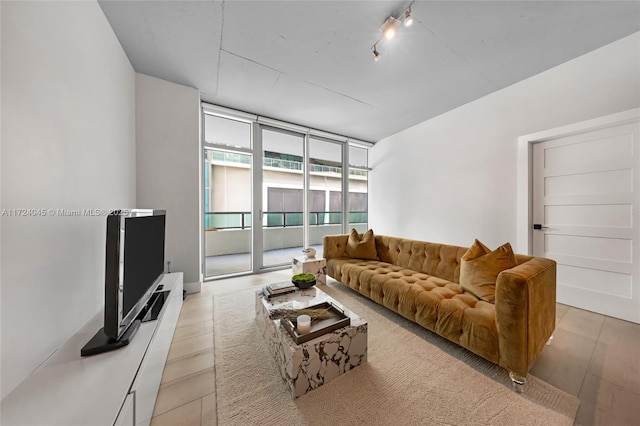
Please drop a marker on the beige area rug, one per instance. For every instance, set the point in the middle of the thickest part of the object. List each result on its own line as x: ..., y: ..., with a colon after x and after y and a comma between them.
x: 412, y: 377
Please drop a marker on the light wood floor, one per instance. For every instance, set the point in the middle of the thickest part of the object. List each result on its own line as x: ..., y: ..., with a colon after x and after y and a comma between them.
x: 592, y: 356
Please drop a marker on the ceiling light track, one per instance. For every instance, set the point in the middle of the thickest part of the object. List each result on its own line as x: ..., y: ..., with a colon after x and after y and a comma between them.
x: 390, y: 26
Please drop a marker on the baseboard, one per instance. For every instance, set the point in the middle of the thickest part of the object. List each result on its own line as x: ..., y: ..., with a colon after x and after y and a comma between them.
x: 195, y: 287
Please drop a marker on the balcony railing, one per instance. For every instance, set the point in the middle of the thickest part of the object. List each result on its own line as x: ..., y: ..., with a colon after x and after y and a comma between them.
x: 279, y: 163
x: 242, y: 220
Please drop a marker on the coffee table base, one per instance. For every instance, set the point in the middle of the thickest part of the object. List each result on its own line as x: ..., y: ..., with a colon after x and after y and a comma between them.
x: 309, y: 365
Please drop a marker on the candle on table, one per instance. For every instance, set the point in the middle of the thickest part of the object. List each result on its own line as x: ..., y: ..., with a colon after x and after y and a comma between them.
x: 303, y: 324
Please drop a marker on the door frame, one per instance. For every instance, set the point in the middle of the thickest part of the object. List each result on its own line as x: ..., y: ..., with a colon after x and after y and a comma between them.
x: 524, y: 179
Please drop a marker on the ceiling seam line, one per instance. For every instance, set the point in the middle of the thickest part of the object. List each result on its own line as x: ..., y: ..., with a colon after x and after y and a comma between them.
x: 300, y: 79
x: 459, y: 55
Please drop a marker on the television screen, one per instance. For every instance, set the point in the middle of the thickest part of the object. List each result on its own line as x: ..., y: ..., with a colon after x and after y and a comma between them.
x: 143, y: 257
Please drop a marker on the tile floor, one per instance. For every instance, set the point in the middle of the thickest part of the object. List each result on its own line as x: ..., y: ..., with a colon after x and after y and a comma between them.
x: 594, y: 357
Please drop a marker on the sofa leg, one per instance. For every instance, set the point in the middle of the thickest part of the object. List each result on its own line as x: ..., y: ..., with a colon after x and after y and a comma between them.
x: 549, y: 341
x: 517, y: 381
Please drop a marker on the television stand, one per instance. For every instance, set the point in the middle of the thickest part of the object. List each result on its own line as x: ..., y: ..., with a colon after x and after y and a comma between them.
x: 101, y: 343
x: 151, y: 311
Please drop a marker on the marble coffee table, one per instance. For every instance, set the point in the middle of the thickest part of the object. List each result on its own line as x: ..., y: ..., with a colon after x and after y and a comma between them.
x: 307, y: 366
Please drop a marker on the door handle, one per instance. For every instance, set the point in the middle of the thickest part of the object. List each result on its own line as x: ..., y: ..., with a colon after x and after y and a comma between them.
x: 538, y: 226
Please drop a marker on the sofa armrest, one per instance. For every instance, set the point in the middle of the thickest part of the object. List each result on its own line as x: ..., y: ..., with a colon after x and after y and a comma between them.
x: 334, y: 246
x: 525, y: 312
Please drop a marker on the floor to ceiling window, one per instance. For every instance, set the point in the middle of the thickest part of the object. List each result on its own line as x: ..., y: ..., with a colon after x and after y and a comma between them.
x: 271, y: 190
x: 325, y: 184
x: 283, y: 198
x: 358, y: 188
x: 227, y: 196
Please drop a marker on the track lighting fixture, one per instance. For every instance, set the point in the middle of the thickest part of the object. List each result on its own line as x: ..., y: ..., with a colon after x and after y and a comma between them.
x: 390, y: 28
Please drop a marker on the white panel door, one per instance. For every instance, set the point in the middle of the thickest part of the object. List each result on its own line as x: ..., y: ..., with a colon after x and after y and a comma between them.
x: 586, y: 199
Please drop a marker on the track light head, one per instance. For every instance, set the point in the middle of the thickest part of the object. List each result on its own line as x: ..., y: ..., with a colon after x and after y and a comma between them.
x: 376, y: 54
x: 408, y: 19
x: 389, y: 28
x: 390, y: 33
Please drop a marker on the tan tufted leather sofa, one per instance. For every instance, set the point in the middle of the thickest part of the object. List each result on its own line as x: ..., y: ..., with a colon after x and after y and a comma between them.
x: 420, y: 281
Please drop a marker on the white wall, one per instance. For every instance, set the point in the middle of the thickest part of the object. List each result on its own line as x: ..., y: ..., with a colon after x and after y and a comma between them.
x: 68, y: 142
x: 168, y: 168
x: 453, y: 178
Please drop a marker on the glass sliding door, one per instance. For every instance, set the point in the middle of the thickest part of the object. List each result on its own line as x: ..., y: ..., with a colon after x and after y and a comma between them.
x: 227, y: 196
x: 325, y: 190
x: 283, y: 196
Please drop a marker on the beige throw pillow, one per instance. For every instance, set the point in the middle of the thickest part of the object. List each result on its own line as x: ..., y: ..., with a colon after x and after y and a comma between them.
x: 362, y: 247
x: 479, y: 269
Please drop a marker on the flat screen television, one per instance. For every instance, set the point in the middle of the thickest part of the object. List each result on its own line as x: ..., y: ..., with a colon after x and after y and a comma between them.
x: 134, y: 268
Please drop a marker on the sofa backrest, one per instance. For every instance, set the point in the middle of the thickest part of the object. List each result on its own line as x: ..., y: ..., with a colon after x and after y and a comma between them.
x: 440, y: 260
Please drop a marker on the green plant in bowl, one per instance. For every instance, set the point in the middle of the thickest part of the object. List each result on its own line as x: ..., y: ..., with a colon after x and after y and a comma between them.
x: 303, y: 280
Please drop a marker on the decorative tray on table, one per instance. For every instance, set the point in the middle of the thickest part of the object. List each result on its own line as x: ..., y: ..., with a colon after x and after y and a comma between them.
x: 332, y: 318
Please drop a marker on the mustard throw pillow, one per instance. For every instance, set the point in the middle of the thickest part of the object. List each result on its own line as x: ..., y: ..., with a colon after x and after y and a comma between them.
x: 362, y: 247
x: 479, y: 269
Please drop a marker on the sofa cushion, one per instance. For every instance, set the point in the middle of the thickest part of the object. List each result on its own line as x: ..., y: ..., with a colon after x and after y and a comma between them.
x: 434, y: 303
x: 361, y: 246
x: 480, y: 267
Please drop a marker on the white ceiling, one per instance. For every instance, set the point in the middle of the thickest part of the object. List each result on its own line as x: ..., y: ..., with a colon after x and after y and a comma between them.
x: 310, y: 62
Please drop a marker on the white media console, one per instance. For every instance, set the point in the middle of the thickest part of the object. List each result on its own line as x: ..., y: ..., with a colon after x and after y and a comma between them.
x: 112, y: 388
